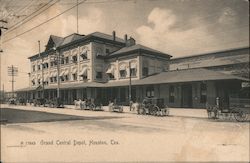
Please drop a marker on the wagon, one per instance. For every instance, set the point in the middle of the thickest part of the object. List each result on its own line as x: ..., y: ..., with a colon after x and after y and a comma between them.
x: 239, y: 109
x: 153, y: 106
x: 113, y: 107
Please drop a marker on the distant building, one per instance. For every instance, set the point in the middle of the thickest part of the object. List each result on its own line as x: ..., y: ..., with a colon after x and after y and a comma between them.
x: 98, y: 66
x: 233, y: 62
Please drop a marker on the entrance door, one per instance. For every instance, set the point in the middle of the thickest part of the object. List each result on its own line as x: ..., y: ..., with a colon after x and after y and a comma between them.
x: 186, y: 96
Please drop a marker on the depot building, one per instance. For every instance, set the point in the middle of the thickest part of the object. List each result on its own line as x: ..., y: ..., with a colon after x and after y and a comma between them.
x: 100, y: 66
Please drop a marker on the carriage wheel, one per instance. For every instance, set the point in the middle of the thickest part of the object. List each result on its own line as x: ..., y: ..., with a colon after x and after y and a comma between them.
x: 240, y: 116
x: 155, y: 110
x: 92, y: 107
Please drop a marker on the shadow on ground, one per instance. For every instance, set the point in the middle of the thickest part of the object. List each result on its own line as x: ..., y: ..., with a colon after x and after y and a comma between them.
x: 26, y: 116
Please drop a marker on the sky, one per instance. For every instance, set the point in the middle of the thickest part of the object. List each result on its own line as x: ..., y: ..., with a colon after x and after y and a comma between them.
x: 175, y: 27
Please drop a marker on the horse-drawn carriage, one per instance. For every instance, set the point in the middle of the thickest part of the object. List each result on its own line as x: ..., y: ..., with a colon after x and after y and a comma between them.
x: 89, y: 104
x: 239, y: 109
x: 153, y: 106
x: 55, y: 103
x: 114, y: 107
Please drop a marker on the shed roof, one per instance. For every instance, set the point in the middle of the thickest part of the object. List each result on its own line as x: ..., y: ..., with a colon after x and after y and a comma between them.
x: 177, y: 76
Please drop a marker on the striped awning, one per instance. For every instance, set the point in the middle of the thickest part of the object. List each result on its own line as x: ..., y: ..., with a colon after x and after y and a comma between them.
x: 122, y: 67
x: 133, y: 65
x: 84, y: 71
x: 62, y: 73
x: 33, y: 77
x: 66, y: 72
x: 111, y: 70
x: 74, y: 70
x: 46, y: 77
x: 53, y: 74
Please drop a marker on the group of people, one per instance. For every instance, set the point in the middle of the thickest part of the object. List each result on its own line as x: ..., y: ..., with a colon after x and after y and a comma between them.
x: 83, y: 104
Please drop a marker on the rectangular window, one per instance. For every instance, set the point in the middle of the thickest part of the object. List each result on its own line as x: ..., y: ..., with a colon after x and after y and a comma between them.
x: 133, y: 72
x: 66, y: 77
x: 51, y: 79
x: 46, y: 83
x: 33, y: 82
x: 203, y: 93
x: 122, y: 73
x: 62, y: 61
x: 98, y: 75
x: 34, y: 68
x: 74, y: 76
x: 107, y: 51
x: 38, y: 67
x: 84, y: 77
x: 145, y: 71
x: 66, y: 60
x: 111, y: 76
x: 55, y: 79
x: 84, y: 56
x: 39, y: 81
x: 150, y: 91
x: 171, y: 94
x: 62, y: 78
x: 51, y: 63
x: 74, y: 58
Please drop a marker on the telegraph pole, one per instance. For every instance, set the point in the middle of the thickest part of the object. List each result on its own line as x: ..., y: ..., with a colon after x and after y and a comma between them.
x: 12, y: 71
x: 130, y: 85
x: 40, y: 57
x: 77, y: 17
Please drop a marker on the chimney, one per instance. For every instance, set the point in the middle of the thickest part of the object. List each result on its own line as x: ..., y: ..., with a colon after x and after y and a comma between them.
x: 114, y: 36
x: 130, y: 42
x: 125, y: 38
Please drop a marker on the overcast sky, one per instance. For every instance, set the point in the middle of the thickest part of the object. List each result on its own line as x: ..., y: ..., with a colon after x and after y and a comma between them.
x: 176, y: 27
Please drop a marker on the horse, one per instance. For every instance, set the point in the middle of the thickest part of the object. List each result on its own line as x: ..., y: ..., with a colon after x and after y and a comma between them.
x: 135, y: 106
x: 77, y: 103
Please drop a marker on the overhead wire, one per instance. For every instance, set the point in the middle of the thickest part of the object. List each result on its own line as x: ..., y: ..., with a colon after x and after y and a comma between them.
x: 11, y: 28
x: 56, y: 17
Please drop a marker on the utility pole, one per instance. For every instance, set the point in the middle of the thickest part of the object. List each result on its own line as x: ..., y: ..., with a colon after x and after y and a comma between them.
x: 130, y: 86
x: 77, y: 17
x: 40, y: 57
x: 58, y: 71
x: 12, y: 71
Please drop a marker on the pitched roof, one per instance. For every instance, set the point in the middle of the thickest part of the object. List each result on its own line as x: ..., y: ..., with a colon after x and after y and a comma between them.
x: 71, y: 38
x: 179, y: 76
x: 106, y: 36
x: 135, y: 48
x: 56, y: 39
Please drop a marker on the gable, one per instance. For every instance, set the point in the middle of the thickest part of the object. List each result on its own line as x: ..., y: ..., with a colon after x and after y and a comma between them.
x: 50, y: 44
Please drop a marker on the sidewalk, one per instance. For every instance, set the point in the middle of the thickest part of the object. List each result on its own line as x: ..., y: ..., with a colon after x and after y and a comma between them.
x: 182, y: 112
x: 70, y: 109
